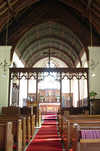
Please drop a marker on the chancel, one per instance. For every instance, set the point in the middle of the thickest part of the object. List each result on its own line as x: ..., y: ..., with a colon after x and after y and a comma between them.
x: 49, y: 65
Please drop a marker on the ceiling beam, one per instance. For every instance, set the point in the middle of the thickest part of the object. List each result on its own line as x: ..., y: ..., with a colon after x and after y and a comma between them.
x: 10, y: 9
x: 15, y: 6
x: 89, y: 4
x: 84, y: 12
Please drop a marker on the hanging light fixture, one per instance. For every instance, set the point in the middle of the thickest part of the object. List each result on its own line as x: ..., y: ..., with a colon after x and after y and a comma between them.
x: 4, y: 65
x: 49, y: 63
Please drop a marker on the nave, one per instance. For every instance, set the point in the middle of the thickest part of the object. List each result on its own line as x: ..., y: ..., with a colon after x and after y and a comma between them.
x: 47, y: 138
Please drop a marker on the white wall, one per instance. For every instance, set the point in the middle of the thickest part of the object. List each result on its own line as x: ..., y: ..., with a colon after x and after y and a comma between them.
x: 17, y: 61
x: 4, y: 79
x: 94, y: 81
x: 84, y: 61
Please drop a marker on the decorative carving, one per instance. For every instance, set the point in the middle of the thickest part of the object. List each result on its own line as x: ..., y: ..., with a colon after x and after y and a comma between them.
x: 29, y: 73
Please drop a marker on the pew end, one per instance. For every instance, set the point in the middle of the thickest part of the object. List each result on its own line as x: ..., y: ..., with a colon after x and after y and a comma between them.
x: 6, y: 136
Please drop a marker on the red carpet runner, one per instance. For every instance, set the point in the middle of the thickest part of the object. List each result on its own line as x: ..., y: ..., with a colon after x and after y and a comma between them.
x: 49, y: 116
x: 46, y: 138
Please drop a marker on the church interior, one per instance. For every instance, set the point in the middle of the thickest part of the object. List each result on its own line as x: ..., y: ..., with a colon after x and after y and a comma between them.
x: 49, y: 75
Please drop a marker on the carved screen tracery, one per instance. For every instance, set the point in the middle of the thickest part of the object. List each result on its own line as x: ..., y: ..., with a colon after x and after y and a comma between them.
x: 58, y: 73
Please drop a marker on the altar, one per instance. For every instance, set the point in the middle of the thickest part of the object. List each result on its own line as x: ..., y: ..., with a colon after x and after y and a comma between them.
x: 49, y: 107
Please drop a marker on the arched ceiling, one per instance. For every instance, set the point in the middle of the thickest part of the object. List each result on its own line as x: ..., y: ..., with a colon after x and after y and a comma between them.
x: 37, y: 41
x: 55, y: 63
x: 63, y: 26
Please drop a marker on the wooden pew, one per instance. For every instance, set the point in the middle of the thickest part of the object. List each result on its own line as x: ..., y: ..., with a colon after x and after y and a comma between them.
x: 76, y: 117
x: 32, y: 124
x: 40, y: 118
x: 16, y: 130
x: 71, y: 135
x: 20, y: 113
x: 65, y: 129
x: 66, y: 114
x: 6, y: 136
x: 88, y: 138
x: 82, y: 116
x: 86, y: 124
x: 11, y: 110
x: 28, y: 129
x: 23, y: 125
x: 28, y: 112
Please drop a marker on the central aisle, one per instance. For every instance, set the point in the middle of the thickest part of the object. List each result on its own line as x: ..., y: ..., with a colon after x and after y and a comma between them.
x: 46, y: 138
